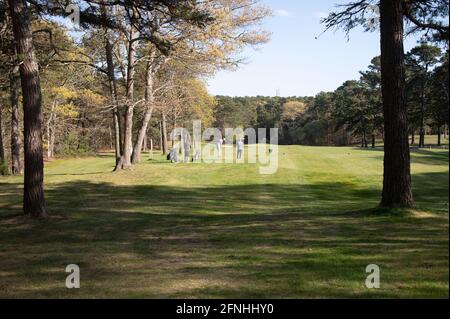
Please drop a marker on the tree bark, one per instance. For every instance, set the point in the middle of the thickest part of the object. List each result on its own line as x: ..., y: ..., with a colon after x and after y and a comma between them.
x: 164, y: 133
x: 149, y: 103
x: 145, y: 144
x: 14, y: 81
x: 52, y: 140
x: 422, y: 118
x: 439, y: 135
x: 113, y: 94
x: 128, y: 138
x: 34, y: 200
x: 160, y: 137
x: 373, y: 141
x: 50, y: 130
x: 2, y: 149
x: 397, y: 191
x: 422, y: 109
x: 421, y: 137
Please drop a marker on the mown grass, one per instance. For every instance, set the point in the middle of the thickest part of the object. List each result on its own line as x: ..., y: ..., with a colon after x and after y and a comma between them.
x: 223, y: 230
x: 431, y: 140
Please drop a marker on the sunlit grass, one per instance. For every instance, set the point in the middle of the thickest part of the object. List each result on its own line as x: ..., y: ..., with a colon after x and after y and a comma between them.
x: 221, y: 230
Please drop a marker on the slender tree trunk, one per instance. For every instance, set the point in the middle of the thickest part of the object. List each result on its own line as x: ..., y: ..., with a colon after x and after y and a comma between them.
x: 422, y: 120
x: 164, y: 133
x: 50, y: 129
x: 364, y: 135
x: 149, y: 103
x: 2, y: 149
x: 422, y: 110
x: 113, y: 93
x: 34, y: 200
x: 52, y: 140
x: 422, y: 137
x: 144, y: 145
x: 49, y: 154
x: 439, y: 135
x: 15, y: 135
x: 413, y: 137
x: 373, y: 140
x: 128, y: 138
x: 160, y: 137
x: 397, y: 189
x: 174, y: 125
x: 118, y: 138
x: 131, y: 69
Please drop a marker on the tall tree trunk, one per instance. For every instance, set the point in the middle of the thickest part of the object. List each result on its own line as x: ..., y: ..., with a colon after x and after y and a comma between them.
x: 145, y: 143
x: 364, y: 136
x: 439, y: 135
x: 52, y: 141
x: 421, y: 137
x: 34, y: 200
x: 373, y: 140
x: 422, y: 109
x: 131, y: 69
x: 397, y: 189
x: 164, y: 133
x: 149, y: 103
x: 113, y: 94
x: 422, y: 119
x: 2, y: 149
x: 160, y: 137
x: 174, y: 125
x: 413, y: 137
x: 50, y: 129
x: 14, y: 81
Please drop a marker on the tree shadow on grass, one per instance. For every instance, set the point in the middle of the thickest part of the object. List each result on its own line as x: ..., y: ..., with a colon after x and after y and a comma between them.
x: 430, y: 157
x: 259, y: 240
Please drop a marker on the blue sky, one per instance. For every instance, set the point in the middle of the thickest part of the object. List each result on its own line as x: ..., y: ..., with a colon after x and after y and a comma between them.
x: 294, y: 62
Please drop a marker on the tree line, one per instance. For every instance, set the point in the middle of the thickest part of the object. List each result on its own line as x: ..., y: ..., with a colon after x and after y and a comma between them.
x: 352, y: 114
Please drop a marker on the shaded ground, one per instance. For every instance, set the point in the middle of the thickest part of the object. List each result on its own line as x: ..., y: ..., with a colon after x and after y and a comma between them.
x: 195, y: 230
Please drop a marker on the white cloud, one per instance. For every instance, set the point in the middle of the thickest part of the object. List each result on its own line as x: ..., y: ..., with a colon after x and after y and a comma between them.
x: 283, y: 13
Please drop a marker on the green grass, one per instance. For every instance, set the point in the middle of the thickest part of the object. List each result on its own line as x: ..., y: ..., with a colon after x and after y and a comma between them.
x: 431, y: 140
x: 212, y: 231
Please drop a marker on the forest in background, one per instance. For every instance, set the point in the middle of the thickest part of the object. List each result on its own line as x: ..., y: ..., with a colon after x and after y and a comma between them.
x: 76, y: 108
x: 352, y: 114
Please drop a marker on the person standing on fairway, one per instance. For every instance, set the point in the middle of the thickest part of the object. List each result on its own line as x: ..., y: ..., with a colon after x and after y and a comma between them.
x: 186, y: 146
x: 173, y: 155
x: 219, y: 142
x: 240, y: 148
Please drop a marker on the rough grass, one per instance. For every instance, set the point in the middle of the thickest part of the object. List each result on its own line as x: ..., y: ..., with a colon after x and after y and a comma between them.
x: 212, y: 231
